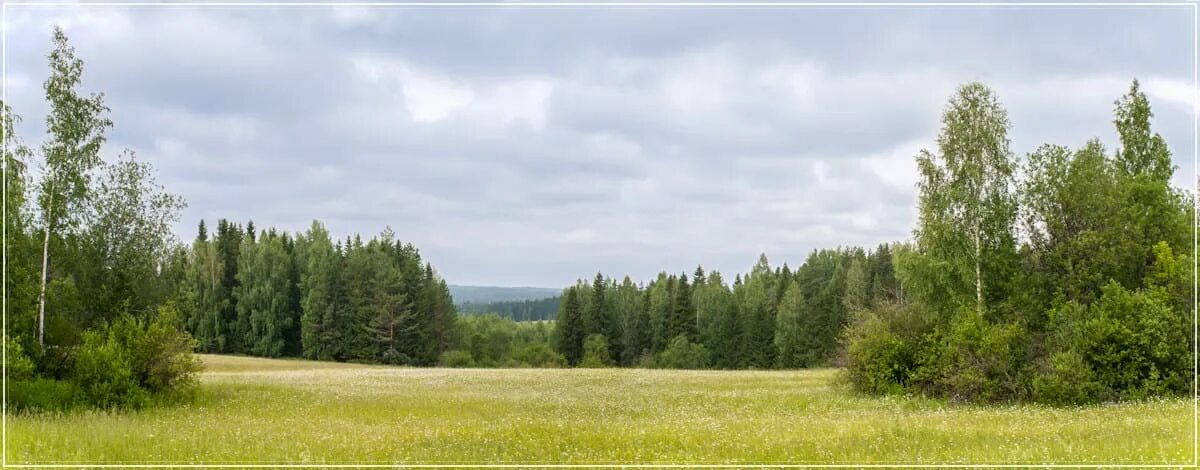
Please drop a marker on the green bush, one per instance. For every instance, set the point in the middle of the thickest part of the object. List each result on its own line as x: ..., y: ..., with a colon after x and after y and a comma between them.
x: 456, y: 358
x: 160, y: 355
x: 18, y: 366
x: 42, y: 394
x: 540, y: 355
x: 1067, y: 380
x: 977, y: 360
x: 877, y: 360
x: 682, y: 354
x: 883, y: 349
x: 1135, y: 344
x: 595, y: 352
x: 104, y: 372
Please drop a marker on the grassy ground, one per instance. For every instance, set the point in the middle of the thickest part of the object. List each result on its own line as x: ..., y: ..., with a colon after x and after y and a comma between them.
x: 288, y: 411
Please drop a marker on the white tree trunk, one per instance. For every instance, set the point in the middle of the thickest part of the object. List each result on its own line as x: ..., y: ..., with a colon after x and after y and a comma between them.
x: 41, y: 326
x: 46, y: 266
x: 978, y: 273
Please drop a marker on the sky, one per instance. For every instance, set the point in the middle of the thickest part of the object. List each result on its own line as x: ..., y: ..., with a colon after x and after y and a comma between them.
x: 521, y: 146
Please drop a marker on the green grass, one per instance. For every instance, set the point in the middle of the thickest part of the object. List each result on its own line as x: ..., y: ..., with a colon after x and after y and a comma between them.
x: 289, y: 411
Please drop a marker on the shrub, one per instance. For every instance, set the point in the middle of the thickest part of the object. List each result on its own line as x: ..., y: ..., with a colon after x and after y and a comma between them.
x: 1069, y: 379
x: 975, y: 360
x: 595, y: 352
x: 456, y: 358
x: 128, y: 361
x: 104, y: 373
x: 883, y: 348
x: 19, y: 365
x: 160, y: 354
x: 1133, y: 342
x: 682, y: 354
x: 42, y: 394
x: 540, y: 355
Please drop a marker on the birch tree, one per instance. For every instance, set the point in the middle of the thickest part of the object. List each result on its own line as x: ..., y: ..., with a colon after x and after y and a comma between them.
x: 75, y: 127
x: 967, y: 191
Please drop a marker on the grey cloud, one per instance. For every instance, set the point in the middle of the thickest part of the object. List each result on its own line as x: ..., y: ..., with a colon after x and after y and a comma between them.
x: 520, y: 146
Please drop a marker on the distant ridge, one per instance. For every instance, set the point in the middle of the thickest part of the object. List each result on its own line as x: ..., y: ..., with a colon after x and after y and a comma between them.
x: 486, y: 294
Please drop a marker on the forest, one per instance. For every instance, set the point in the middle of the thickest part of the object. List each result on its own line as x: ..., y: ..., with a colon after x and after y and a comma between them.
x: 519, y: 310
x: 1062, y: 277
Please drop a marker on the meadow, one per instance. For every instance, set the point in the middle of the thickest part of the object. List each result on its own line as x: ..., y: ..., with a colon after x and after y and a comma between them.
x: 251, y: 410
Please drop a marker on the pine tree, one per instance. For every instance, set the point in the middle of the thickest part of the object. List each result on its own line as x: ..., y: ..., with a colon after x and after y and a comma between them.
x: 683, y: 316
x: 570, y: 327
x: 318, y: 322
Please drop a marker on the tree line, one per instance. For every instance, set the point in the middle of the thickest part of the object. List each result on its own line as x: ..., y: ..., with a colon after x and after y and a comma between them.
x: 277, y: 294
x: 519, y: 310
x: 767, y: 318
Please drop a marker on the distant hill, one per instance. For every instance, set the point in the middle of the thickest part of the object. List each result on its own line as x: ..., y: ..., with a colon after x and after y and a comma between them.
x: 488, y: 294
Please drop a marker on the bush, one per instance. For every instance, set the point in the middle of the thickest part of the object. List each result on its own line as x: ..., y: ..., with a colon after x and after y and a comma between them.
x: 977, y: 361
x: 42, y: 394
x: 883, y: 349
x: 159, y: 353
x: 1069, y: 379
x: 595, y: 352
x: 19, y: 366
x: 103, y: 371
x: 1134, y: 343
x: 682, y: 354
x: 540, y: 355
x: 456, y: 358
x: 127, y: 362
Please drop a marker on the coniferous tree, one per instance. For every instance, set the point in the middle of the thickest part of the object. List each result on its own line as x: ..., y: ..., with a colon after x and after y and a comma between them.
x: 683, y: 316
x: 318, y: 322
x: 262, y: 296
x: 570, y: 327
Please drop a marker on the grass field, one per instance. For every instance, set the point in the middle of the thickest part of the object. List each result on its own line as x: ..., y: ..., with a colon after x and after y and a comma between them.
x: 286, y: 411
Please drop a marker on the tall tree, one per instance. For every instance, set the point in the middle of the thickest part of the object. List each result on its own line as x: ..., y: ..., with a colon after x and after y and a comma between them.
x: 966, y: 190
x: 262, y: 296
x: 789, y: 330
x: 75, y: 126
x: 318, y: 332
x: 683, y: 316
x: 570, y: 327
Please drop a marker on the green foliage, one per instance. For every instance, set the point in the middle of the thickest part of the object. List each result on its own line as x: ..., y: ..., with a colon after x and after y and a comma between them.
x: 1094, y: 306
x: 1131, y: 345
x: 44, y: 395
x: 789, y: 329
x: 519, y: 310
x: 595, y: 352
x: 883, y: 348
x: 160, y: 354
x: 18, y: 365
x: 104, y: 372
x: 539, y: 355
x: 974, y: 360
x: 318, y: 332
x: 456, y: 358
x: 570, y: 327
x: 682, y: 354
x: 124, y: 364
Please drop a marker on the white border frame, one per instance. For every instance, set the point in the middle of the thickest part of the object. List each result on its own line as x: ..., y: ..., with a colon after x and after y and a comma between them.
x: 521, y: 4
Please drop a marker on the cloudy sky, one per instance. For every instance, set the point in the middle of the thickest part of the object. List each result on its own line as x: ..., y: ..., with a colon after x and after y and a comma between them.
x: 532, y: 146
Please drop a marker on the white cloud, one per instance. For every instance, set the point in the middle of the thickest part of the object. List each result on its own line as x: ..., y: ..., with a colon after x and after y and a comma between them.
x: 1177, y: 92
